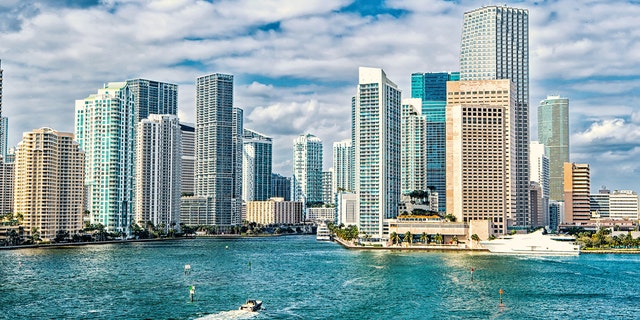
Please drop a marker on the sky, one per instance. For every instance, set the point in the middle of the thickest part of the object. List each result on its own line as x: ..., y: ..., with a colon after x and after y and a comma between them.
x: 295, y: 63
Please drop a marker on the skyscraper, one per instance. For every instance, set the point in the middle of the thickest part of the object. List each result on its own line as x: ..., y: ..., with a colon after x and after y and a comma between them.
x: 215, y: 150
x: 105, y: 130
x: 480, y: 154
x: 237, y: 144
x: 4, y: 142
x: 2, y: 129
x: 577, y: 186
x: 495, y: 45
x: 280, y: 187
x: 6, y: 187
x: 158, y: 171
x: 307, y: 169
x: 432, y: 89
x: 327, y: 183
x: 343, y: 167
x: 553, y: 132
x: 414, y: 146
x: 377, y: 113
x: 153, y: 97
x: 49, y: 183
x: 256, y: 166
x: 188, y: 133
x: 539, y: 173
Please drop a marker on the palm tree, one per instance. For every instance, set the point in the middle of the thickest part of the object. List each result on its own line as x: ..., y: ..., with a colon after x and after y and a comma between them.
x: 408, y: 237
x: 394, y: 238
x: 424, y: 237
x: 475, y: 237
x: 439, y: 238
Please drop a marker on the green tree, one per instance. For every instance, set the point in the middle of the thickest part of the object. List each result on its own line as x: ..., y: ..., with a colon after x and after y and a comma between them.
x: 475, y: 238
x: 439, y: 238
x: 424, y: 237
x: 408, y: 237
x: 394, y: 238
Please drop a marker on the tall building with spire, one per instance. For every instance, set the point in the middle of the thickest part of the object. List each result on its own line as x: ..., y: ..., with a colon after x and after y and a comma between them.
x: 553, y: 133
x: 307, y: 169
x: 376, y: 114
x: 495, y: 45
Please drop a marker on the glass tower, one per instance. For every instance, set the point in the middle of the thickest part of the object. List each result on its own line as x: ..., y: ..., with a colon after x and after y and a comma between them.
x: 153, y: 97
x: 307, y: 169
x: 553, y: 132
x: 495, y: 45
x: 256, y: 166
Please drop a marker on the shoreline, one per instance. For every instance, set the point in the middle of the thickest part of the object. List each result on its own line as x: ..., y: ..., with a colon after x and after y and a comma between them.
x: 81, y: 244
x: 438, y: 248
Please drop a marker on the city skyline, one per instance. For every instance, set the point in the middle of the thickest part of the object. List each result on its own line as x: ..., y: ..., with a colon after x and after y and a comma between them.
x: 50, y: 59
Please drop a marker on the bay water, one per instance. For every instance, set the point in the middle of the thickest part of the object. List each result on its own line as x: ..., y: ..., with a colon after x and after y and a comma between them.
x: 298, y: 277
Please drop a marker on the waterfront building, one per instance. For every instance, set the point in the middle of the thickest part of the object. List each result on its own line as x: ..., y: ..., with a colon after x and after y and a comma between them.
x: 495, y: 45
x: 327, y: 184
x: 623, y: 204
x: 480, y: 154
x: 599, y: 204
x: 109, y: 184
x: 188, y: 133
x: 216, y: 130
x: 556, y: 214
x: 256, y: 166
x: 377, y: 113
x: 307, y: 169
x: 280, y: 187
x: 539, y: 216
x: 431, y: 87
x: 49, y: 183
x: 553, y: 133
x: 3, y: 130
x: 153, y: 97
x: 275, y: 211
x: 237, y: 132
x: 539, y: 173
x: 158, y: 171
x: 196, y: 211
x: 4, y: 137
x: 576, y: 193
x: 414, y: 147
x: 347, y: 209
x: 6, y: 187
x: 343, y: 167
x: 320, y: 214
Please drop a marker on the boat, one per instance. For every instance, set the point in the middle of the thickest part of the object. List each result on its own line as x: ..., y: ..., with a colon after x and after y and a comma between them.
x: 535, y: 243
x: 322, y: 233
x: 252, y: 305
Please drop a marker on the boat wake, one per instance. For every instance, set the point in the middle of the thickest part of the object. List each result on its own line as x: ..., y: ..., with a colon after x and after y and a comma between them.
x: 228, y: 315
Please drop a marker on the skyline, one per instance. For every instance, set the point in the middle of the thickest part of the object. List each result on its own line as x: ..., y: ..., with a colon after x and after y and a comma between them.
x: 56, y: 54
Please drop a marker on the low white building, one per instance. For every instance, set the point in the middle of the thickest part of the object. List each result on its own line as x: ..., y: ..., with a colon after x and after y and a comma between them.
x: 623, y: 204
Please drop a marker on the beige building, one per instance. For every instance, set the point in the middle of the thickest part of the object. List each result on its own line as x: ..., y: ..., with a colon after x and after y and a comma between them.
x: 274, y: 211
x: 623, y: 204
x: 577, y: 188
x: 323, y: 214
x: 480, y: 152
x: 49, y: 182
x: 6, y: 187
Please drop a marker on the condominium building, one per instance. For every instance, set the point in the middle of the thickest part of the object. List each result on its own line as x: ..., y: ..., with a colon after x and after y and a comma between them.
x: 553, y: 133
x: 576, y: 193
x: 105, y: 130
x: 347, y: 209
x: 495, y: 45
x: 49, y: 183
x: 623, y: 204
x: 158, y: 171
x: 343, y: 167
x: 321, y: 214
x: 431, y: 87
x: 480, y: 153
x: 307, y: 169
x: 377, y: 114
x: 414, y: 147
x: 2, y: 129
x: 280, y: 187
x: 236, y: 158
x: 539, y: 173
x: 275, y: 211
x: 153, y: 97
x: 4, y: 137
x: 6, y: 187
x: 256, y: 166
x: 188, y: 133
x: 327, y: 184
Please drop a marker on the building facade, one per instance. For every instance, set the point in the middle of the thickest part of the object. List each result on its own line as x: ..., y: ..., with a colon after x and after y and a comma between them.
x: 623, y: 204
x: 480, y: 153
x: 188, y: 134
x: 4, y: 136
x: 6, y: 187
x: 256, y: 166
x: 539, y: 173
x: 158, y: 171
x: 553, y: 133
x: 307, y: 169
x: 275, y: 211
x: 327, y: 184
x: 347, y: 209
x: 377, y: 122
x: 414, y: 147
x: 280, y: 187
x: 153, y: 97
x: 49, y: 183
x: 577, y: 205
x: 495, y: 45
x: 343, y: 167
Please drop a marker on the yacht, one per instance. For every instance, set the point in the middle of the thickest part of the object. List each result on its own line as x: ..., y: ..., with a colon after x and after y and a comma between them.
x: 251, y: 305
x: 322, y: 233
x: 535, y: 243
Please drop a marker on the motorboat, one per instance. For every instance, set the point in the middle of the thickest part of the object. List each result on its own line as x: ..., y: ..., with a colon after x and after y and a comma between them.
x: 535, y: 243
x: 252, y: 305
x: 322, y: 233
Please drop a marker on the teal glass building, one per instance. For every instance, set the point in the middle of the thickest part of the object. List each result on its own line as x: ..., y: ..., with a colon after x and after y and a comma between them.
x: 553, y: 132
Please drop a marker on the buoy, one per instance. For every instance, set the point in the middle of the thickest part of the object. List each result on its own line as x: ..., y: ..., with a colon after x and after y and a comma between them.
x: 226, y: 247
x: 187, y: 268
x: 192, y: 292
x: 501, y: 292
x: 472, y: 270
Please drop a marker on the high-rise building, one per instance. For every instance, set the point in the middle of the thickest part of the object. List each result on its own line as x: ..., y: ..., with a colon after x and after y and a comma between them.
x: 414, y: 147
x: 623, y: 204
x: 537, y: 210
x: 237, y: 142
x: 256, y: 166
x: 577, y: 205
x: 4, y: 141
x: 2, y: 129
x: 6, y: 187
x: 343, y: 167
x: 188, y: 133
x: 49, y: 183
x: 280, y: 187
x: 553, y: 133
x: 556, y: 214
x: 327, y: 183
x: 158, y: 171
x: 599, y: 203
x: 539, y: 173
x: 432, y: 89
x: 307, y: 169
x: 105, y: 130
x: 480, y: 153
x: 153, y: 97
x: 215, y: 149
x: 495, y: 45
x: 377, y: 113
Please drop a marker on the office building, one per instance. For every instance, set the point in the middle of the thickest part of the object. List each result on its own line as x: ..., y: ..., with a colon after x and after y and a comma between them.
x: 153, y: 97
x: 539, y: 216
x: 377, y: 113
x: 480, y: 153
x: 623, y: 204
x: 49, y: 183
x: 256, y: 166
x: 347, y: 209
x: 4, y: 135
x: 539, y: 173
x: 414, y: 147
x: 343, y: 167
x: 280, y: 187
x: 556, y: 214
x: 495, y: 45
x: 188, y: 133
x: 320, y: 214
x: 307, y: 169
x: 236, y: 158
x: 553, y: 133
x: 431, y: 87
x: 109, y: 179
x: 577, y: 187
x: 158, y: 171
x: 599, y: 204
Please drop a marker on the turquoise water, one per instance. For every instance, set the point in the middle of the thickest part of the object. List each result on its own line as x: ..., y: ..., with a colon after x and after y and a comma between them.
x: 300, y: 278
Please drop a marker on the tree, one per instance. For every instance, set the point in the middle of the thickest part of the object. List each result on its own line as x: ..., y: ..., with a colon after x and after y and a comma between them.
x: 475, y: 237
x: 450, y: 218
x: 35, y: 235
x: 394, y: 238
x: 454, y: 240
x: 408, y: 237
x: 424, y: 237
x: 439, y: 238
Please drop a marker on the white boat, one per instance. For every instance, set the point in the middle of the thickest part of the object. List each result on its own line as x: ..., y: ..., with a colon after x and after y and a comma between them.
x: 251, y: 305
x: 535, y: 243
x: 322, y: 233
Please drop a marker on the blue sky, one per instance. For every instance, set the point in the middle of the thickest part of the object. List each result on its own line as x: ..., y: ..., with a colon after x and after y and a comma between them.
x: 295, y: 62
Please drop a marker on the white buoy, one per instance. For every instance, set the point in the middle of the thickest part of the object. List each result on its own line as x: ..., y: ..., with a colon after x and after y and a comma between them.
x: 187, y: 268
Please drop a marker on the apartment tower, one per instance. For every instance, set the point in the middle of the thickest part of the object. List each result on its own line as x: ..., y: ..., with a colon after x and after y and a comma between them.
x: 343, y: 167
x: 256, y: 166
x: 553, y: 133
x: 414, y: 147
x: 577, y: 187
x: 307, y: 169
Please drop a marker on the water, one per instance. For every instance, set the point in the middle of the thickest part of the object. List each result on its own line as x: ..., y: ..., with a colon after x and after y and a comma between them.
x: 300, y: 278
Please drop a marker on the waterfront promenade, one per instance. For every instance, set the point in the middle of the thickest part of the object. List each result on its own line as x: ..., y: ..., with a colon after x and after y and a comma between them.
x: 414, y: 247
